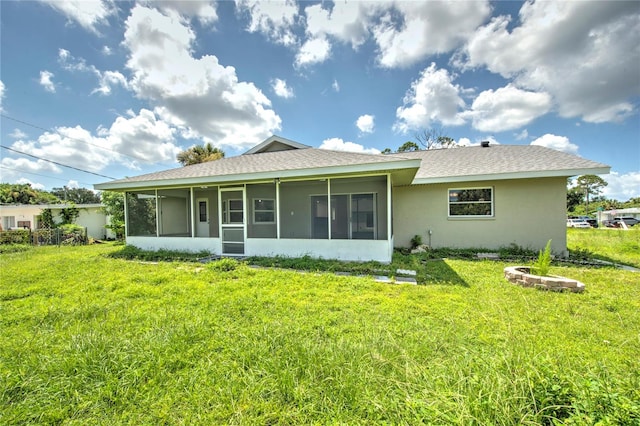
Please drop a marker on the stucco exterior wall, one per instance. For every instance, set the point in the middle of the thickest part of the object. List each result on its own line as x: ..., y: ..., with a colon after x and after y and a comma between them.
x: 527, y: 212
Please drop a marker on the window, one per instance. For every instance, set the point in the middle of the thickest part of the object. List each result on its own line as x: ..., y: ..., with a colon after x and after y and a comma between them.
x: 264, y: 211
x: 232, y: 212
x: 471, y: 202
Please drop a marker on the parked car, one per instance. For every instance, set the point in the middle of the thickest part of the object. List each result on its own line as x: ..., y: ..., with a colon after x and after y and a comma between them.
x: 589, y: 220
x: 630, y: 221
x: 577, y: 223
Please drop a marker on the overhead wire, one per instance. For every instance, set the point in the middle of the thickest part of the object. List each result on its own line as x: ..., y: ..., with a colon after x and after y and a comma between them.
x: 41, y: 175
x: 35, y: 126
x: 56, y: 163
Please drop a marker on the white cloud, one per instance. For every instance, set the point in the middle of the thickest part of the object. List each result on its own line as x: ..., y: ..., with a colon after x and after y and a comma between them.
x: 507, y: 108
x: 524, y: 134
x: 586, y: 58
x: 34, y: 185
x: 559, y: 143
x: 365, y: 123
x: 107, y: 51
x: 281, y: 89
x: 106, y: 79
x: 45, y: 81
x: 478, y: 141
x: 337, y: 144
x: 335, y: 86
x: 89, y: 14
x: 199, y: 95
x: 347, y: 22
x: 18, y: 134
x: 622, y: 187
x: 432, y: 98
x: 204, y: 10
x: 143, y: 136
x: 72, y: 184
x: 273, y: 19
x: 313, y: 51
x: 426, y: 28
x: 2, y: 91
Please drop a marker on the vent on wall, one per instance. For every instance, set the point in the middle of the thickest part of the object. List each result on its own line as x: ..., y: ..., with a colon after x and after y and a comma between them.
x: 484, y: 144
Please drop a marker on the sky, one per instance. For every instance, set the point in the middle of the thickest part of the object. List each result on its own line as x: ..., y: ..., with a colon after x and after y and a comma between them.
x: 117, y: 89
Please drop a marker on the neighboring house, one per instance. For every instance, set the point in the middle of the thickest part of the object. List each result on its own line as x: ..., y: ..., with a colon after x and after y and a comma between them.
x: 27, y: 216
x: 285, y: 198
x: 633, y: 212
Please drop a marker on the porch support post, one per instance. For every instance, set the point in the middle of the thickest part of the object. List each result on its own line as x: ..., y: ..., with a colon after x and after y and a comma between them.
x: 193, y: 214
x: 389, y: 210
x: 277, y: 182
x: 126, y: 217
x: 329, y: 207
x: 157, y: 215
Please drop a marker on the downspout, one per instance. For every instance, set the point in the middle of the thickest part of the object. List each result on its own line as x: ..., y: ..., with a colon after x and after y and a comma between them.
x: 277, y: 182
x: 329, y: 208
x: 193, y: 214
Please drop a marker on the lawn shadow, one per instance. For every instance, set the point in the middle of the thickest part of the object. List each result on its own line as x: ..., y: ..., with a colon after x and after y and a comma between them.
x: 437, y: 271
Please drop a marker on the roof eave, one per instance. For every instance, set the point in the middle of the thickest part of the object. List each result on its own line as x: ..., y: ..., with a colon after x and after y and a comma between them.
x: 514, y: 175
x: 412, y: 164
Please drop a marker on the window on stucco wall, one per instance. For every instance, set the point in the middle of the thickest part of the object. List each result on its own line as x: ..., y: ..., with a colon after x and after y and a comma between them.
x: 471, y: 202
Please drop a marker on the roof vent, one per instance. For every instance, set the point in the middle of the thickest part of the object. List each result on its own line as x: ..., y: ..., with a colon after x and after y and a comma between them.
x: 484, y: 144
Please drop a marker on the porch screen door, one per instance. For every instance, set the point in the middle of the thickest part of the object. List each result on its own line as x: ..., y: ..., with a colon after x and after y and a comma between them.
x: 233, y: 221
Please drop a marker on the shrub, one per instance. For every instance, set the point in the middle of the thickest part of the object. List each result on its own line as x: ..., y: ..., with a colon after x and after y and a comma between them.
x: 226, y: 264
x: 541, y: 266
x: 416, y: 241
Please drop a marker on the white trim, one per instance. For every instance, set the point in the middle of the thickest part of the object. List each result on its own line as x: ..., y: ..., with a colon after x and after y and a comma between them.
x: 328, y: 209
x: 471, y: 216
x: 254, y: 210
x: 347, y: 250
x: 389, y: 209
x: 277, y: 208
x: 158, y: 220
x: 513, y: 175
x: 308, y: 174
x: 193, y: 213
x: 272, y: 139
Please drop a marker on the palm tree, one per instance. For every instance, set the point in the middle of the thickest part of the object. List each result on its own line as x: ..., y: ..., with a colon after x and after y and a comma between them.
x: 199, y: 154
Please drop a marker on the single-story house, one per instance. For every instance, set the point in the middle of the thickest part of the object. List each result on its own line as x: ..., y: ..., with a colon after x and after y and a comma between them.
x: 633, y: 212
x: 28, y: 216
x: 285, y: 198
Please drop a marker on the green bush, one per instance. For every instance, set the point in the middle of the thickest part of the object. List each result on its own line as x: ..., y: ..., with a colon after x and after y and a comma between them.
x: 226, y: 264
x: 541, y: 266
x: 15, y: 236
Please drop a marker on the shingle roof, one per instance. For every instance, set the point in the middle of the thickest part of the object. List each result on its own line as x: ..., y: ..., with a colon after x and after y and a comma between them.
x: 296, y: 162
x: 434, y: 166
x: 498, y: 162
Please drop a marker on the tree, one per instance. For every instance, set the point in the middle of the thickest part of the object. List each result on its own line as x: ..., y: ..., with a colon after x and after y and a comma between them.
x: 76, y: 195
x: 434, y: 138
x: 408, y: 147
x: 113, y: 206
x: 17, y: 193
x: 574, y: 198
x: 386, y: 151
x: 199, y: 154
x: 590, y: 185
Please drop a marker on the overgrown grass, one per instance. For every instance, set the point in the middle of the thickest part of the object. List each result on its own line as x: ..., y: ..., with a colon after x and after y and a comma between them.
x: 89, y: 339
x: 615, y: 245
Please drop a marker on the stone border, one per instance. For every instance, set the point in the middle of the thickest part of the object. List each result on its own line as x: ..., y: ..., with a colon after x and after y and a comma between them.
x: 521, y: 275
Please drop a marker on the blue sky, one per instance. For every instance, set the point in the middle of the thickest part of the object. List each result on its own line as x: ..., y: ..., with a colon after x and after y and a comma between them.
x: 119, y: 88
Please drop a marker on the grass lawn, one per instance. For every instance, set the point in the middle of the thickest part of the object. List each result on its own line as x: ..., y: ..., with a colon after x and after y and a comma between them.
x: 89, y: 339
x: 616, y: 245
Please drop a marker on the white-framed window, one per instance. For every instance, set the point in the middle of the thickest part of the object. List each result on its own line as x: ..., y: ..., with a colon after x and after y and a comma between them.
x: 232, y: 211
x: 471, y: 202
x: 264, y: 211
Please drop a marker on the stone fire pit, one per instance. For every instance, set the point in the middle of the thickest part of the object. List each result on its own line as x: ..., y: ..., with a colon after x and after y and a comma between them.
x: 521, y: 275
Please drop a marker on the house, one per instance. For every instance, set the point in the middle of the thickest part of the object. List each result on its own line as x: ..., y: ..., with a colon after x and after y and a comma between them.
x: 285, y: 198
x: 27, y: 216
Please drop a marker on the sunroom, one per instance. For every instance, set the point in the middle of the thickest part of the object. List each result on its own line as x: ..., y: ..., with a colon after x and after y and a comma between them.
x: 292, y: 202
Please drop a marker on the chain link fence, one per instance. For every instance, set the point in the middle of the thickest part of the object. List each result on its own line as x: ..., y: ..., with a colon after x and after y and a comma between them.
x: 45, y: 237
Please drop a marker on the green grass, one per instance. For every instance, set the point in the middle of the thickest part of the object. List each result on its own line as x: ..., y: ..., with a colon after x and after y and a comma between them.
x: 615, y: 245
x: 91, y: 339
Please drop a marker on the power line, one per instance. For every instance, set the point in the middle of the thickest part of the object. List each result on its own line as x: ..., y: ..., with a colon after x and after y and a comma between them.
x: 56, y: 163
x: 35, y: 126
x: 37, y: 174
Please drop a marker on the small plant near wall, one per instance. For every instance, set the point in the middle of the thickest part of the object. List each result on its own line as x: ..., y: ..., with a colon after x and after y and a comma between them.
x: 541, y: 266
x: 416, y: 241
